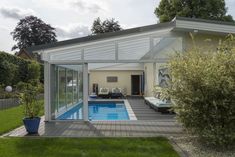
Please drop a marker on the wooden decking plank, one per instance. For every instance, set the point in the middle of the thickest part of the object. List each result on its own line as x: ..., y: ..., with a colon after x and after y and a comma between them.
x: 149, y: 123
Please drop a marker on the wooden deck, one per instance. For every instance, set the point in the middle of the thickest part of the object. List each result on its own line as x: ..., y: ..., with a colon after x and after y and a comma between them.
x: 144, y: 112
x: 149, y: 123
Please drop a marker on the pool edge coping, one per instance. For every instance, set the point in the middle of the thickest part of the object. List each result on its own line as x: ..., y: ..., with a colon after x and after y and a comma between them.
x: 129, y: 110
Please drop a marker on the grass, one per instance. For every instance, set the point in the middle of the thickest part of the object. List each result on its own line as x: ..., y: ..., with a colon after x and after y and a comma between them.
x: 12, y: 118
x: 86, y: 147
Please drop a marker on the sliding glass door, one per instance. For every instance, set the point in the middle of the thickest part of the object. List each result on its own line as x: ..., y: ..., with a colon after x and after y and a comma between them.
x: 67, y: 92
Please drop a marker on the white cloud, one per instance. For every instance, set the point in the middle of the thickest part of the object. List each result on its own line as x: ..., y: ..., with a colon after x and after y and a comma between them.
x: 81, y: 6
x: 72, y: 31
x: 15, y: 12
x: 88, y: 6
x: 4, y: 28
x: 230, y: 4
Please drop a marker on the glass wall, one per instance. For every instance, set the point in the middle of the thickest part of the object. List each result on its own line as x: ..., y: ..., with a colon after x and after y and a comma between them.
x: 61, y: 92
x: 67, y: 92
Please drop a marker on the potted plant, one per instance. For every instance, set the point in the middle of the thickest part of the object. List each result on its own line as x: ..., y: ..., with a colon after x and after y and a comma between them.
x: 28, y: 98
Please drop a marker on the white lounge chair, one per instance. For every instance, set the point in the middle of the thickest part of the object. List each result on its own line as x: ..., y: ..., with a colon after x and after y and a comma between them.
x: 158, y: 104
x: 116, y: 93
x: 104, y: 93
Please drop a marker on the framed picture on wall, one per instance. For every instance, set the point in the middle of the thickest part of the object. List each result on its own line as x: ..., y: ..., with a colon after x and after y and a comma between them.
x: 163, y: 77
x: 112, y: 79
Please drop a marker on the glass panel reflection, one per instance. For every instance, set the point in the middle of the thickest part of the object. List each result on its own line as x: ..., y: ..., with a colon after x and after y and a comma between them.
x: 68, y: 87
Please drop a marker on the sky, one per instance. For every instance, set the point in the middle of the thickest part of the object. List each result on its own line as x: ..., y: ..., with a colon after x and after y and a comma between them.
x: 73, y: 18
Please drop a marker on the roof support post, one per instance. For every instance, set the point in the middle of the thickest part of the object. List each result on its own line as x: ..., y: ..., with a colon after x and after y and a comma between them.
x: 85, y: 92
x: 47, y: 92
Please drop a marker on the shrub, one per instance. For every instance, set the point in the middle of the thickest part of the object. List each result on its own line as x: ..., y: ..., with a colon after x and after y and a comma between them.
x: 33, y: 71
x: 14, y: 69
x: 41, y: 73
x: 8, y: 72
x: 203, y: 90
x: 6, y: 95
x: 28, y: 98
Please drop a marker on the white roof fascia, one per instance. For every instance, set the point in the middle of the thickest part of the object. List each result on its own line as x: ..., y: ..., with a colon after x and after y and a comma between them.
x: 204, y: 26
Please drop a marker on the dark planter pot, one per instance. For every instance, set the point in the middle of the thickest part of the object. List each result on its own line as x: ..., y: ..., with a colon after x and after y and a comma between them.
x: 32, y: 124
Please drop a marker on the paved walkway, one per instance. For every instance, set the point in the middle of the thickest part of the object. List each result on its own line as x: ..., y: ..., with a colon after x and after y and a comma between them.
x: 149, y: 123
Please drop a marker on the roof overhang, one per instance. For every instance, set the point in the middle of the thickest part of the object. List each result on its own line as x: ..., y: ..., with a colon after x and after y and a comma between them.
x: 203, y: 26
x: 136, y: 45
x: 129, y: 48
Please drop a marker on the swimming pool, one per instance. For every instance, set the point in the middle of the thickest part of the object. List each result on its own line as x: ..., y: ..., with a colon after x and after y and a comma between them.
x: 98, y: 111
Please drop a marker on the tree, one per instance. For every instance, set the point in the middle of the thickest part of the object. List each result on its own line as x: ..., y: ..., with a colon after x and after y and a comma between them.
x: 97, y: 26
x: 205, y: 9
x: 109, y: 25
x: 32, y: 31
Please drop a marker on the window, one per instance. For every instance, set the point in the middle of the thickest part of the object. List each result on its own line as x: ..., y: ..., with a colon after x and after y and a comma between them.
x: 112, y: 79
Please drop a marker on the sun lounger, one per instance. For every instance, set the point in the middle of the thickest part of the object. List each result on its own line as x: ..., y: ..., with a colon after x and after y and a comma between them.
x: 158, y: 104
x: 147, y: 99
x: 116, y: 93
x: 104, y: 93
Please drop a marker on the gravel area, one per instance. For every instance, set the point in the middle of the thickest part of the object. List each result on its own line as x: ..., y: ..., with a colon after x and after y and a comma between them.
x: 192, y: 148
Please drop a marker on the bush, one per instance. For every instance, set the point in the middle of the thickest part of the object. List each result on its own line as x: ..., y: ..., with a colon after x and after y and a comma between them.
x: 8, y: 72
x: 41, y: 73
x: 28, y: 98
x: 33, y: 71
x: 203, y: 90
x: 6, y: 95
x: 14, y: 69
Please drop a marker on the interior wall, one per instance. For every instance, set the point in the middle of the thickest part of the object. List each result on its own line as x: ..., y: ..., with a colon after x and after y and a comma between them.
x: 124, y: 79
x: 149, y: 79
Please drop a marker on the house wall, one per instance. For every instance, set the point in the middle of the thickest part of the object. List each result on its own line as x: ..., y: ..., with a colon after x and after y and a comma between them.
x: 124, y: 79
x: 204, y: 41
x: 149, y: 79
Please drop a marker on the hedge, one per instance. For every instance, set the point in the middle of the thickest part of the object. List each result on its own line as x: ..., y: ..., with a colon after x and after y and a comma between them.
x: 14, y: 69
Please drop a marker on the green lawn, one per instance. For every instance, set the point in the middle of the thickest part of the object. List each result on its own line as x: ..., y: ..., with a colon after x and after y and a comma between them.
x: 12, y: 118
x: 86, y: 147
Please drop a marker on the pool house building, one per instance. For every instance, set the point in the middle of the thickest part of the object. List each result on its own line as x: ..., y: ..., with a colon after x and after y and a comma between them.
x: 132, y: 60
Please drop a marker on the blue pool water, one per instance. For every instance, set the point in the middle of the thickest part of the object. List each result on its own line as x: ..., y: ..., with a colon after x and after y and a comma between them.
x: 99, y: 111
x: 108, y: 111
